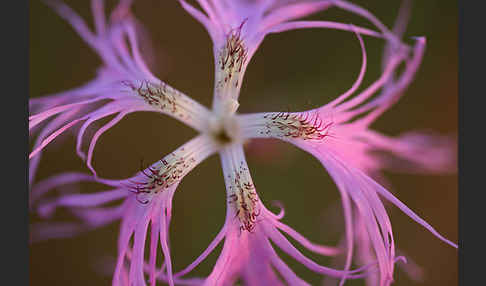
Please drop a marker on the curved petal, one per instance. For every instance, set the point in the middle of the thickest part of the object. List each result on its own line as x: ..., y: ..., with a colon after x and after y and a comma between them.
x: 124, y: 80
x: 364, y: 190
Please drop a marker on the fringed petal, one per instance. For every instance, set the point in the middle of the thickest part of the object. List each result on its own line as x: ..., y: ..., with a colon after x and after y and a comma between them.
x: 147, y: 202
x: 415, y: 152
x: 319, y: 249
x: 210, y: 26
x: 124, y: 80
x: 219, y: 237
x: 81, y: 200
x: 241, y: 26
x: 364, y: 193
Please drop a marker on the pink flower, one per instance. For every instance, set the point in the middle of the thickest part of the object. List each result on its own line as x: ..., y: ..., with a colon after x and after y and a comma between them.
x: 337, y: 134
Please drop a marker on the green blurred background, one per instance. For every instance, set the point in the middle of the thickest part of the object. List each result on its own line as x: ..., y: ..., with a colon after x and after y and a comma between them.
x: 295, y: 70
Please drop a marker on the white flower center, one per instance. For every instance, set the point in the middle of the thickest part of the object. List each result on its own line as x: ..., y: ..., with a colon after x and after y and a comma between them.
x: 224, y: 129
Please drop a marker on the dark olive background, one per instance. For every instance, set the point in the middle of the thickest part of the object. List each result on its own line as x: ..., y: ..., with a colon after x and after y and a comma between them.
x: 296, y: 70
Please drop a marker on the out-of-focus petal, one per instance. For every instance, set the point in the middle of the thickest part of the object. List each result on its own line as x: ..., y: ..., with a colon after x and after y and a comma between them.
x: 124, y: 85
x: 147, y: 202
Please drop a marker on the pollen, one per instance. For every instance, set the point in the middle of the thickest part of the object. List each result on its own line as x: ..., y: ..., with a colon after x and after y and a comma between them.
x: 244, y: 199
x: 305, y: 126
